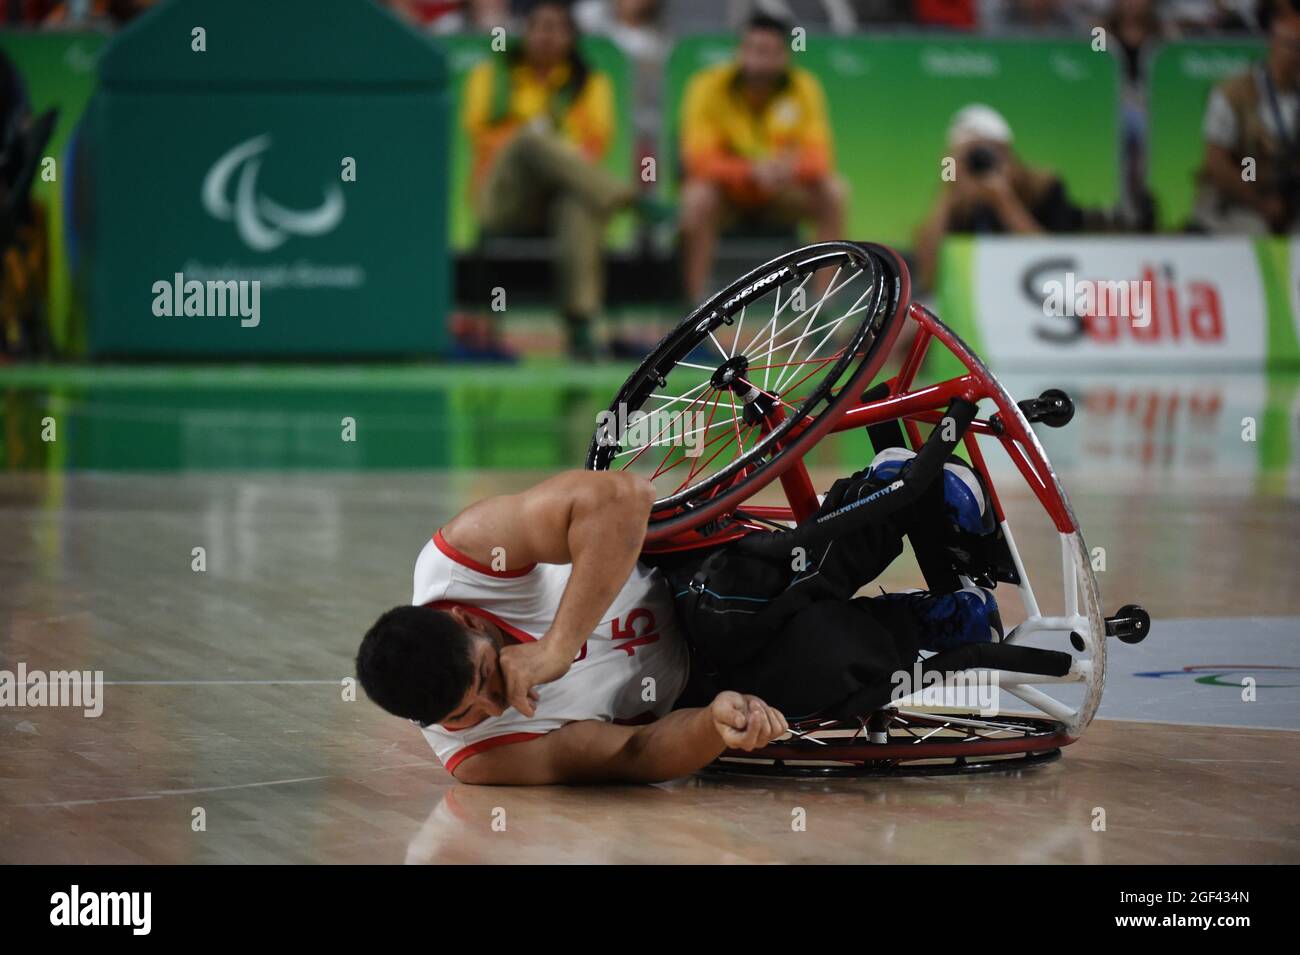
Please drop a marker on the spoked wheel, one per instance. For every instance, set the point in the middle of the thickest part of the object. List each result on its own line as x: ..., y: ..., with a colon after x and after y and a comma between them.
x: 752, y: 379
x: 901, y: 743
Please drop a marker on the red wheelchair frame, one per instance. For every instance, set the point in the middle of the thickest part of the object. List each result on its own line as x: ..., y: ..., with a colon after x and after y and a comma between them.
x: 896, y: 738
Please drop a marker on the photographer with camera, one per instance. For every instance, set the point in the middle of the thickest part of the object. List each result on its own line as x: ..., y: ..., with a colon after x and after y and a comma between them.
x: 987, y: 189
x: 1250, y: 179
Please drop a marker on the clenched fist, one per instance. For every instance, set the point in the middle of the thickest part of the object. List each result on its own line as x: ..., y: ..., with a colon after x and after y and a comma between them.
x: 745, y: 722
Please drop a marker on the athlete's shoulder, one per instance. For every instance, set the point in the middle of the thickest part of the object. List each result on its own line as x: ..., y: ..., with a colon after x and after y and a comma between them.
x: 441, y: 566
x: 453, y: 748
x: 497, y: 569
x: 522, y: 599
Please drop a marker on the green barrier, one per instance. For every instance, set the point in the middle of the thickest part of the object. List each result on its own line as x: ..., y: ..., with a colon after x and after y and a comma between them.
x: 230, y: 164
x: 59, y: 72
x: 1181, y: 77
x: 890, y: 101
x: 466, y: 52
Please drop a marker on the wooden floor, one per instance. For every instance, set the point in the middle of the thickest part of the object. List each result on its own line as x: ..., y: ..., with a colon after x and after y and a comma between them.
x: 225, y: 696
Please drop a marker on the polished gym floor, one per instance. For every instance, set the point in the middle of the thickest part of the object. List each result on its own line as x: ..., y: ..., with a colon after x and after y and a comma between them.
x: 227, y: 734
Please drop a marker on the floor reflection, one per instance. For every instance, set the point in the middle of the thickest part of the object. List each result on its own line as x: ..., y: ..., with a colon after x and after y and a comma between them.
x: 1239, y: 433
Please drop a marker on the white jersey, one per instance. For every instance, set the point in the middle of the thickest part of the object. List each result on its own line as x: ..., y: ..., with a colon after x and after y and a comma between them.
x: 638, y: 640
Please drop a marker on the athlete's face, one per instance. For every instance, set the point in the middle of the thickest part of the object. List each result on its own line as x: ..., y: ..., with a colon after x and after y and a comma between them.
x: 763, y: 57
x: 486, y: 696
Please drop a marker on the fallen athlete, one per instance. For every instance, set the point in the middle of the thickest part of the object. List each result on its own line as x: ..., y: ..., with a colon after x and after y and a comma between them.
x: 541, y: 647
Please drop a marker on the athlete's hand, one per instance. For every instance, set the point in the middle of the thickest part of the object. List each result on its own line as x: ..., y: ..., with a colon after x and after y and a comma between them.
x: 526, y: 665
x: 745, y: 722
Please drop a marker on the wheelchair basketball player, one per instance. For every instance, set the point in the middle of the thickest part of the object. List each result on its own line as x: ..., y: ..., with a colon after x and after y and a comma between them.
x: 542, y: 646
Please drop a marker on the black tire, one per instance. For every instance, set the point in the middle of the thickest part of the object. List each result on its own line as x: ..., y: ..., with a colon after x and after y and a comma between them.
x: 867, y: 346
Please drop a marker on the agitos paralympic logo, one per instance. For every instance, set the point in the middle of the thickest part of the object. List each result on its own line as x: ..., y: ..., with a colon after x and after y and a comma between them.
x: 1229, y: 675
x: 262, y: 223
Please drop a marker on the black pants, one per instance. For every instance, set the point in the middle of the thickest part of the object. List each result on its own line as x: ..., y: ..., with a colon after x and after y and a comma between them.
x: 783, y: 624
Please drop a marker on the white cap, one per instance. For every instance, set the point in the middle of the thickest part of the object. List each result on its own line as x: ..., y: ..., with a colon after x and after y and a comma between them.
x: 978, y: 121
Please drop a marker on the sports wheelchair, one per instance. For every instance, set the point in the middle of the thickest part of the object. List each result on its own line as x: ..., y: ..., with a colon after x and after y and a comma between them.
x: 793, y: 352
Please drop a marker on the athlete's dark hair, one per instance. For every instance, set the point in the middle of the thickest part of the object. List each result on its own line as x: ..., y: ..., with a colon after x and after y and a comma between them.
x: 765, y: 21
x: 415, y: 663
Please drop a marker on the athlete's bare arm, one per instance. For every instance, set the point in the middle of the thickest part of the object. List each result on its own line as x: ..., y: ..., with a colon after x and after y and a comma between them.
x: 594, y: 520
x: 590, y: 751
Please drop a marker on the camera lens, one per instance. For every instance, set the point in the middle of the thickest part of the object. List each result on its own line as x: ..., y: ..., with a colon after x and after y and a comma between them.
x: 981, y: 159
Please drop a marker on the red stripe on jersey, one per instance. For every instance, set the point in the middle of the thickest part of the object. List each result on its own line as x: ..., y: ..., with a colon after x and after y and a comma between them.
x: 441, y: 543
x: 474, y: 749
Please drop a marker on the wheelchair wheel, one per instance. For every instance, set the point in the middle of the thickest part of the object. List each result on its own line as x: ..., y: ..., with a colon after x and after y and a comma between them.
x: 900, y: 742
x: 752, y: 379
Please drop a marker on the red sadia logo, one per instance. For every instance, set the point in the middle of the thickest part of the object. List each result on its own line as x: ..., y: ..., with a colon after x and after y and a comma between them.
x: 1171, y: 312
x: 1154, y: 308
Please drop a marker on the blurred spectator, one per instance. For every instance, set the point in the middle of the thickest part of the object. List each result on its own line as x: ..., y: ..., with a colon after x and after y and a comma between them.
x: 1253, y: 119
x: 634, y: 26
x: 837, y: 16
x: 461, y: 16
x: 1134, y: 26
x: 95, y: 13
x: 756, y: 145
x: 1049, y: 16
x: 953, y: 14
x: 24, y: 250
x: 1132, y: 29
x: 25, y: 12
x: 1211, y: 16
x: 992, y: 191
x: 539, y: 119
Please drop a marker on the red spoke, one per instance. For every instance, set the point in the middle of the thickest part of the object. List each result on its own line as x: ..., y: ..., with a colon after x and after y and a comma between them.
x: 739, y: 475
x: 703, y: 394
x: 712, y: 413
x: 791, y: 387
x: 706, y: 463
x: 707, y: 445
x: 661, y: 469
x: 669, y: 453
x: 735, y: 420
x: 787, y: 364
x: 768, y: 393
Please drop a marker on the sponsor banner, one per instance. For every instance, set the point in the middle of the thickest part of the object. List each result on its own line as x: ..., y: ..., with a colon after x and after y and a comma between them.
x: 1132, y: 302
